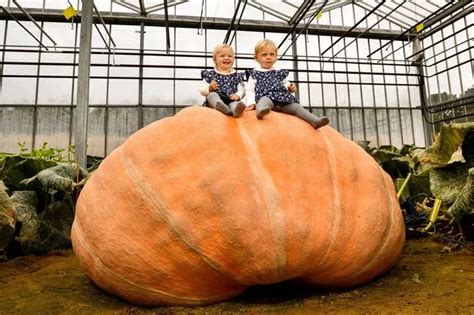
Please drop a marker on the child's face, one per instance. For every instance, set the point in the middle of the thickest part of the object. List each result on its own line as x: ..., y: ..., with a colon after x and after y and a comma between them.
x: 266, y: 57
x: 224, y: 59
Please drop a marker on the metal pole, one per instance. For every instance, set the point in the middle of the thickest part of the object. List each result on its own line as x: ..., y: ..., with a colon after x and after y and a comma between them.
x: 80, y: 132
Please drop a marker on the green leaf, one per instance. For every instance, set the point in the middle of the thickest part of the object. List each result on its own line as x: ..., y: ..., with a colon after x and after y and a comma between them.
x: 464, y: 204
x: 7, y: 218
x: 446, y: 149
x: 446, y: 183
x: 15, y: 168
x: 57, y: 178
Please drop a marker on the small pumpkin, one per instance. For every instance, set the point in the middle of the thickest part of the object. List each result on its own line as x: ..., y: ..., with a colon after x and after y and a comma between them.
x: 195, y: 208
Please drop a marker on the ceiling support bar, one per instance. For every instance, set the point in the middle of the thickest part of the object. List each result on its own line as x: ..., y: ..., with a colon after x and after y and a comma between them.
x: 353, y: 27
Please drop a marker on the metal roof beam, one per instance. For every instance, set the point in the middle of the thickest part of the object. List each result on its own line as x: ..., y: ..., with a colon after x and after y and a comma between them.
x: 34, y: 22
x: 300, y: 13
x: 127, y: 5
x: 142, y: 8
x: 456, y: 6
x: 123, y: 18
x: 158, y: 7
x: 353, y: 27
x: 103, y: 24
x: 329, y: 7
x: 16, y: 20
x: 394, y: 21
x: 296, y: 21
x: 410, y: 30
x: 451, y: 20
x: 267, y: 9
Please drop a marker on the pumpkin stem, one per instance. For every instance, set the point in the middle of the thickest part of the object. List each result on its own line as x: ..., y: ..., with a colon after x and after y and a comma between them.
x: 434, y: 214
x: 404, y: 185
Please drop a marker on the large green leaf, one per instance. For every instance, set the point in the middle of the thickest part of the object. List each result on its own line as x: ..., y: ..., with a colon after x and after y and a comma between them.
x: 7, y: 218
x: 446, y: 183
x: 15, y: 168
x: 446, y: 149
x: 57, y: 178
x: 464, y: 204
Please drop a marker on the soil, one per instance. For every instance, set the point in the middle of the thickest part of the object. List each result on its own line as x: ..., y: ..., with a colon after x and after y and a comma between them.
x: 428, y: 279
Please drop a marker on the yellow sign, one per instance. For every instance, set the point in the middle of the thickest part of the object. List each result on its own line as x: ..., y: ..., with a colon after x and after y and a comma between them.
x: 69, y: 12
x: 319, y: 15
x: 420, y: 27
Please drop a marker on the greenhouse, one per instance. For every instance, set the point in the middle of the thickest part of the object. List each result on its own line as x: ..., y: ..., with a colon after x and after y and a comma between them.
x: 97, y: 97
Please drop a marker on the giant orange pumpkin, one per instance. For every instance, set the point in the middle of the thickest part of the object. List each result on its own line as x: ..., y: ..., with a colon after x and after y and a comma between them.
x: 195, y: 208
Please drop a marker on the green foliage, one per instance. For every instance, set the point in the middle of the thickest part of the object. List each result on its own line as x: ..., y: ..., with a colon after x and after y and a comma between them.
x: 439, y: 171
x: 51, y: 178
x: 46, y: 153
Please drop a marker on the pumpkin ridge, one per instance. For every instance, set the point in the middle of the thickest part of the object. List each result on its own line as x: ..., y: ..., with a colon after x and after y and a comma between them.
x: 264, y: 181
x: 148, y: 195
x: 174, y: 298
x: 337, y: 198
x: 385, y: 237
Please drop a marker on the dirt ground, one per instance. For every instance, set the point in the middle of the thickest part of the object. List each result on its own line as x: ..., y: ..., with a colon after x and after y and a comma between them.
x: 426, y: 280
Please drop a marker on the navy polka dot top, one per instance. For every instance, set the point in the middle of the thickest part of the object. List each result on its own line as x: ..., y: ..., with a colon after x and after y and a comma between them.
x: 228, y: 84
x: 270, y: 84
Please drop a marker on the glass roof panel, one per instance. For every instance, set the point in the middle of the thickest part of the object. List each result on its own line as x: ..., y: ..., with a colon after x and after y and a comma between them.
x: 396, y: 14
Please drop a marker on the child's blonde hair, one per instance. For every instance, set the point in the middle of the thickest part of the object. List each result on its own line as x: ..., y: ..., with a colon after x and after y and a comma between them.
x: 261, y: 44
x: 219, y: 47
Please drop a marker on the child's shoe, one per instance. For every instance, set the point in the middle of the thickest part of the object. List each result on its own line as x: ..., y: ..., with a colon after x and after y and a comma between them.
x: 320, y: 122
x: 223, y: 108
x: 261, y: 112
x: 238, y: 109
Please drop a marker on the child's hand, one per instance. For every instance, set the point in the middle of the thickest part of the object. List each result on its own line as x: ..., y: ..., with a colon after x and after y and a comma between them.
x: 292, y: 88
x: 234, y: 97
x: 213, y: 86
x: 250, y: 107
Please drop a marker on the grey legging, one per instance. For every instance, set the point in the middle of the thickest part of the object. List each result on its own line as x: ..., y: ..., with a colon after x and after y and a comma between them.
x: 293, y: 109
x: 215, y: 101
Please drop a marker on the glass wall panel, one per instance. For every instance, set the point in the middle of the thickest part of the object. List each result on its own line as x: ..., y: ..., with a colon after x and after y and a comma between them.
x: 121, y: 123
x: 155, y: 37
x: 62, y: 33
x: 159, y: 67
x: 189, y: 40
x: 407, y: 126
x: 151, y: 115
x: 344, y: 121
x: 125, y: 66
x: 371, y: 127
x: 382, y: 125
x: 96, y: 131
x: 187, y: 93
x: 158, y: 92
x: 331, y: 113
x: 123, y: 92
x: 18, y: 36
x: 16, y: 127
x: 18, y: 91
x: 357, y: 124
x: 124, y: 36
x: 20, y: 70
x: 53, y: 127
x: 395, y: 125
x: 54, y: 91
x: 419, y: 131
x: 97, y: 91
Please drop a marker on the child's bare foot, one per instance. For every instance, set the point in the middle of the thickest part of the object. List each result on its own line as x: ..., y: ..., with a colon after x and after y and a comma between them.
x: 223, y: 108
x: 320, y: 122
x: 238, y: 109
x: 261, y: 112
